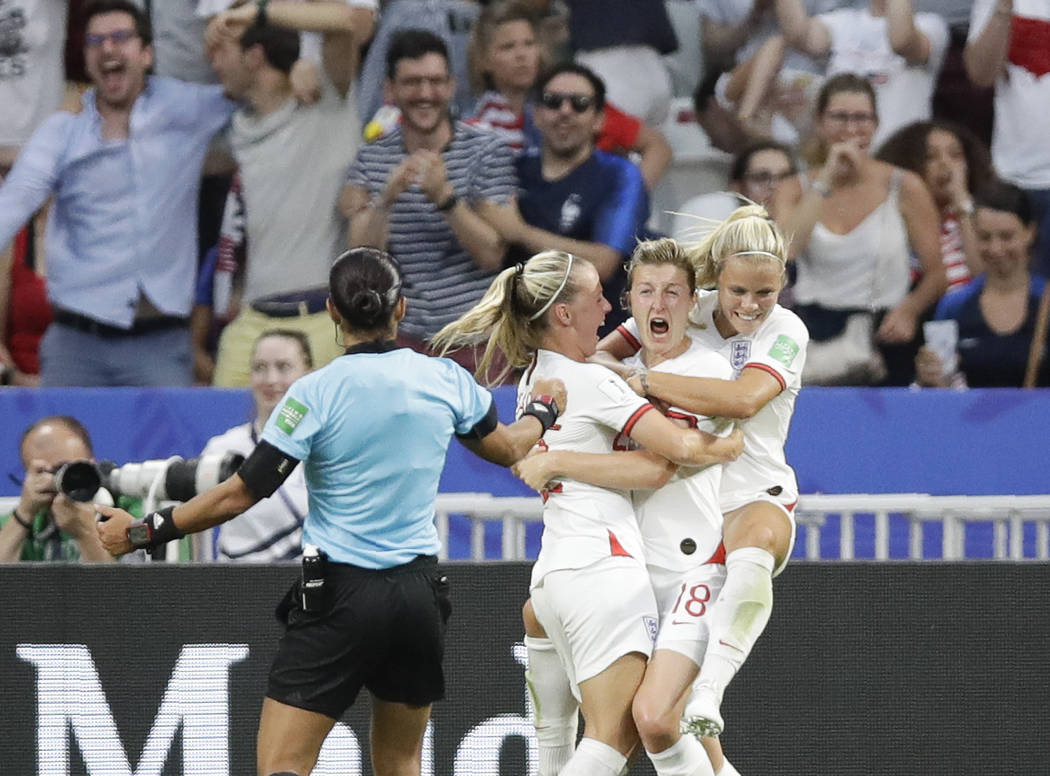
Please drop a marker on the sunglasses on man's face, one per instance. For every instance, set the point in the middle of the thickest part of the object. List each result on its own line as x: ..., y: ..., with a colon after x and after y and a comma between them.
x: 580, y: 103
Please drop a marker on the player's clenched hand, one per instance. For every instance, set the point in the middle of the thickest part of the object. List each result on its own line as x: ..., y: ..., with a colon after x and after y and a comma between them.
x: 551, y: 387
x: 536, y: 469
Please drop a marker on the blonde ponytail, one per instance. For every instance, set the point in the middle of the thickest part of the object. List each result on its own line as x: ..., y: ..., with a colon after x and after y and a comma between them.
x: 512, y: 316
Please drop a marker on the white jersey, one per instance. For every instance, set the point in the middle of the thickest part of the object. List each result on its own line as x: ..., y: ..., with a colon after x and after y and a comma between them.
x: 681, y: 522
x: 779, y: 348
x: 272, y: 529
x: 584, y: 523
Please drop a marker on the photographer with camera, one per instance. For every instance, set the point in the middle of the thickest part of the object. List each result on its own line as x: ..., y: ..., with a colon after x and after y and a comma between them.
x: 49, y: 524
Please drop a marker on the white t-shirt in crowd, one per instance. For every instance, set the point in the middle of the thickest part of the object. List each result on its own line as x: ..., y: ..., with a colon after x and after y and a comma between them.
x: 1020, y: 148
x: 860, y: 43
x: 32, y: 66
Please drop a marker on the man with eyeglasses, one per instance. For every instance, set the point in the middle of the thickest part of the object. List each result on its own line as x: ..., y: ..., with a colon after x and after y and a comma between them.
x: 418, y: 191
x: 122, y: 238
x: 571, y: 196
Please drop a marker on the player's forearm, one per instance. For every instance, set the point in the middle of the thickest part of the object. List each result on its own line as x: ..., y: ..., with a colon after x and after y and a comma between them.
x: 475, y: 234
x: 622, y: 470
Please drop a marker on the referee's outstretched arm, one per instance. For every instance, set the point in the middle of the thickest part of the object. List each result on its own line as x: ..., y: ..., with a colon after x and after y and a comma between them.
x: 506, y: 445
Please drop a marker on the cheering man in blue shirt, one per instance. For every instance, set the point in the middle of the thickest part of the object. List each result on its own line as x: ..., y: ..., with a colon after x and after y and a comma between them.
x: 122, y: 237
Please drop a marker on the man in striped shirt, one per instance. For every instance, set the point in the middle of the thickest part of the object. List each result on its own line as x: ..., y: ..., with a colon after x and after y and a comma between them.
x: 417, y: 191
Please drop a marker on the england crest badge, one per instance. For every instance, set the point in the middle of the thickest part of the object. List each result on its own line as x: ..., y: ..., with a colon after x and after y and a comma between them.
x: 740, y: 354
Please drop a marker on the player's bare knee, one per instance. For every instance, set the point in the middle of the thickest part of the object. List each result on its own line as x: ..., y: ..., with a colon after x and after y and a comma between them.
x: 656, y: 722
x: 532, y: 625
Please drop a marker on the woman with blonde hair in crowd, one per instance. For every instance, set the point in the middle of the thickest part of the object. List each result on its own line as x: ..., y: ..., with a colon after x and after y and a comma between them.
x: 590, y: 588
x: 853, y: 231
x: 744, y: 259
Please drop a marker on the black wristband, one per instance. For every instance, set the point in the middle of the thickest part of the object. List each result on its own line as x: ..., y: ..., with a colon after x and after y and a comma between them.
x: 7, y: 374
x: 18, y: 519
x: 155, y: 529
x: 448, y: 204
x: 544, y: 409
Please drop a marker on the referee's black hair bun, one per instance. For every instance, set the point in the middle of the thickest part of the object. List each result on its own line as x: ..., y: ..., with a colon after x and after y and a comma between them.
x: 367, y: 308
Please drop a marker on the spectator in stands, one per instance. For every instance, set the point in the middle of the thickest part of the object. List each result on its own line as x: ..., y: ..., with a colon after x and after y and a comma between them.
x: 122, y: 247
x: 954, y: 163
x: 47, y: 525
x: 504, y: 65
x: 417, y: 192
x: 742, y: 43
x: 899, y: 51
x: 272, y: 529
x: 450, y: 20
x: 24, y: 311
x: 32, y: 82
x: 572, y: 197
x: 291, y: 159
x: 756, y: 173
x: 997, y: 315
x: 1007, y: 49
x: 855, y: 226
x: 623, y: 42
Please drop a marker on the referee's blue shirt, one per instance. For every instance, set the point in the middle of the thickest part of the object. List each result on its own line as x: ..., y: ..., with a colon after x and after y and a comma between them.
x: 372, y: 429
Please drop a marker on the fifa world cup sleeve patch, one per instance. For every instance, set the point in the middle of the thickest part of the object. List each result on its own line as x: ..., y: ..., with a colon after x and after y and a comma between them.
x: 291, y: 415
x: 784, y: 350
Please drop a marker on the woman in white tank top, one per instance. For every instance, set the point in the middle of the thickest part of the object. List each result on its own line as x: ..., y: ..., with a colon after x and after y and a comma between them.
x: 854, y: 229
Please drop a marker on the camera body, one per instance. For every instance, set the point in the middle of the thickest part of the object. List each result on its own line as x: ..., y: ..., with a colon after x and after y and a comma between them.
x: 176, y: 479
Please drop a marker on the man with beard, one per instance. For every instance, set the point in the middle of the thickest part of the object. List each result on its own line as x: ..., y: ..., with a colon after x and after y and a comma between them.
x: 122, y: 238
x: 571, y: 196
x: 418, y: 191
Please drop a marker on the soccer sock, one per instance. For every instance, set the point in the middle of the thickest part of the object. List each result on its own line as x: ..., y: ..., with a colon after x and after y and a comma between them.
x: 685, y: 757
x: 727, y: 769
x: 554, y: 706
x: 593, y: 758
x: 739, y: 616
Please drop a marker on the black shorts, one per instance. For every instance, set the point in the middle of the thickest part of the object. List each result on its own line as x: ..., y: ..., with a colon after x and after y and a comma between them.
x: 382, y: 629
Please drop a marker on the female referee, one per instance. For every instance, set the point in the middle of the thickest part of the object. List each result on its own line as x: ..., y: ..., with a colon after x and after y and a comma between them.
x: 381, y: 617
x: 589, y: 587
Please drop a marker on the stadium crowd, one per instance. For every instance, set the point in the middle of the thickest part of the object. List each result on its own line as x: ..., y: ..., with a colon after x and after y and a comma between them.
x: 179, y: 177
x: 179, y: 219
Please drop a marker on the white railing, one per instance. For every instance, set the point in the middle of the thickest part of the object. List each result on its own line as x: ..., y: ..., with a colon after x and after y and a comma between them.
x: 1007, y: 515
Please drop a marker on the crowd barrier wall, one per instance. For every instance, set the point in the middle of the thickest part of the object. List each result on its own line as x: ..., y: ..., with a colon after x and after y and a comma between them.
x: 864, y: 669
x: 862, y: 440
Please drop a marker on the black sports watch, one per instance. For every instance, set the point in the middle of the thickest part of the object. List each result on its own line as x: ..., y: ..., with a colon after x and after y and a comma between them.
x: 139, y: 534
x: 155, y: 529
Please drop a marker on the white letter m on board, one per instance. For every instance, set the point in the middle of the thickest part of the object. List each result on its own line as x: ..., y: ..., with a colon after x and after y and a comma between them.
x: 70, y: 696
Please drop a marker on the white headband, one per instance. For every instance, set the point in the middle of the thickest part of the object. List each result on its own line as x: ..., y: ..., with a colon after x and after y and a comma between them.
x: 758, y: 253
x: 564, y: 280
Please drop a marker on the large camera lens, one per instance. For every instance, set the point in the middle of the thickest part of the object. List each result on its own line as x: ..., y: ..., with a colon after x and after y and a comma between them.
x: 78, y: 479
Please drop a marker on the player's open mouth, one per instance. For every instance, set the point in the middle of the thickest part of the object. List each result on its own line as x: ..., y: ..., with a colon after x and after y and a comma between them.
x: 659, y: 326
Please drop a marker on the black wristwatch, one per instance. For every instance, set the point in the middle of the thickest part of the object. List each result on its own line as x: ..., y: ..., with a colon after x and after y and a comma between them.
x: 155, y: 529
x: 139, y: 534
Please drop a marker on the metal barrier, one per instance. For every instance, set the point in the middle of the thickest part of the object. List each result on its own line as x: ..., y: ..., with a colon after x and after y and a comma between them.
x: 1007, y: 515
